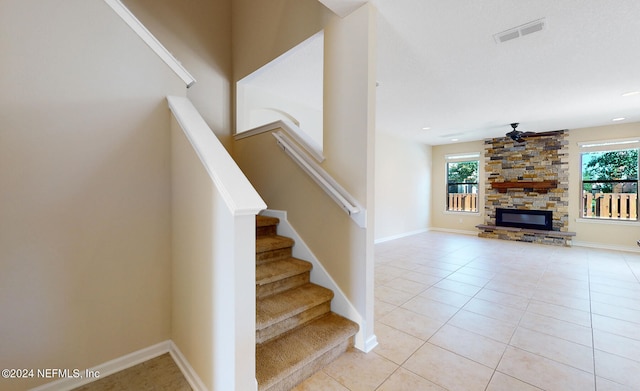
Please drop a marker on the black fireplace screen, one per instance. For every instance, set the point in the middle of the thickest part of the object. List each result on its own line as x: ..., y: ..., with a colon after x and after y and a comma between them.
x: 532, y: 219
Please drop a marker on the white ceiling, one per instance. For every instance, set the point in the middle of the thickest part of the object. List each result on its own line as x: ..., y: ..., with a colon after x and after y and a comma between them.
x: 440, y: 67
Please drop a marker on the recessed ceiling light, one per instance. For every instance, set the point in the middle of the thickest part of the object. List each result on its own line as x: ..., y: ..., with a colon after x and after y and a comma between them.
x: 618, y: 119
x: 631, y: 93
x: 426, y: 128
x: 454, y: 139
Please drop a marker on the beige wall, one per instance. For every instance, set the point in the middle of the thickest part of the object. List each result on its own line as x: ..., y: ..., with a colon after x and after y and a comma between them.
x: 263, y: 30
x: 198, y: 34
x: 598, y: 233
x: 85, y: 188
x: 193, y: 207
x: 440, y: 218
x: 403, y: 186
x: 345, y: 250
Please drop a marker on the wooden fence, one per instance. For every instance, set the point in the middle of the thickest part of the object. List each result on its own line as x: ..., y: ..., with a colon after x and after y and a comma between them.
x: 463, y: 202
x: 610, y: 205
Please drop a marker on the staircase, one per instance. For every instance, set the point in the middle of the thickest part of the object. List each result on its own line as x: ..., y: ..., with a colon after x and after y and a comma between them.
x: 296, y: 332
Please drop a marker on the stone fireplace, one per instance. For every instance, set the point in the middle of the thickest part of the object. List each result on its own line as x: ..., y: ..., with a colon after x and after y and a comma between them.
x: 528, y: 176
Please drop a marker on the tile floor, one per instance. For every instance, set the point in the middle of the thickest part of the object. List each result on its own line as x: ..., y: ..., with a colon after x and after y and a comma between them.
x: 457, y: 312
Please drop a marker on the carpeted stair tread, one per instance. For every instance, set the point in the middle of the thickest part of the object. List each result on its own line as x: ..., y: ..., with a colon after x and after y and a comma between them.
x: 276, y: 308
x: 296, y: 332
x: 270, y: 243
x: 277, y: 270
x: 283, y: 357
x: 265, y: 221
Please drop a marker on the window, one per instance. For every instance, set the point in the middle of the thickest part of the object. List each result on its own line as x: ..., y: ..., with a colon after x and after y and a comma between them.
x: 462, y: 183
x: 610, y: 181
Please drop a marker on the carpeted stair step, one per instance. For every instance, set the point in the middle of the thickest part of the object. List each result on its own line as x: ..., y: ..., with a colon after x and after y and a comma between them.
x: 284, y: 362
x: 266, y: 226
x: 281, y: 275
x: 273, y: 248
x: 284, y: 311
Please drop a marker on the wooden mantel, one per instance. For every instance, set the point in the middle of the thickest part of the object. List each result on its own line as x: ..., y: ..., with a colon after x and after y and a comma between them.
x: 538, y: 186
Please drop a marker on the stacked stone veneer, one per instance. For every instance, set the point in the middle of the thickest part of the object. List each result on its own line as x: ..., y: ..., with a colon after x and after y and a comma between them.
x: 536, y: 159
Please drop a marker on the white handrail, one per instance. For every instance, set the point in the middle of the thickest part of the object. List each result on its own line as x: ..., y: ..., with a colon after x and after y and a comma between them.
x: 239, y: 195
x: 290, y: 129
x: 345, y: 200
x: 150, y: 40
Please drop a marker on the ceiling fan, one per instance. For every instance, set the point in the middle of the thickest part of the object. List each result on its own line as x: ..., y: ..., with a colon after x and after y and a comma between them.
x: 519, y: 136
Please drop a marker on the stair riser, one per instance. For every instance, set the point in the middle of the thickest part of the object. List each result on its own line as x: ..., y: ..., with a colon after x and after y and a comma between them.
x: 282, y: 285
x: 269, y: 230
x: 273, y: 255
x: 297, y: 377
x: 288, y: 324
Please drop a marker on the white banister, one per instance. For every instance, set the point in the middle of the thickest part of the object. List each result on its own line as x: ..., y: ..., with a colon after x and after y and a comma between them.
x: 347, y: 202
x: 151, y: 41
x: 239, y: 195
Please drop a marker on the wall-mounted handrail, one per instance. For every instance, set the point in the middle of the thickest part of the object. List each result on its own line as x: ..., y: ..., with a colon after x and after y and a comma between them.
x: 341, y: 196
x: 150, y: 40
x: 292, y: 130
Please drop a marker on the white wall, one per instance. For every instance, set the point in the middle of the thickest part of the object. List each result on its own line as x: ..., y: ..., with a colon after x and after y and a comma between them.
x: 262, y: 107
x: 288, y: 88
x: 403, y: 187
x: 85, y: 199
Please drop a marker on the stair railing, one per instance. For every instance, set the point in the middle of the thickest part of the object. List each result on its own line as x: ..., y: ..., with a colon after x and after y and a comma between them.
x: 292, y: 129
x: 341, y: 196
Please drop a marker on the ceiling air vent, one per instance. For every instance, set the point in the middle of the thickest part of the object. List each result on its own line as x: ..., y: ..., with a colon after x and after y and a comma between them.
x: 520, y: 31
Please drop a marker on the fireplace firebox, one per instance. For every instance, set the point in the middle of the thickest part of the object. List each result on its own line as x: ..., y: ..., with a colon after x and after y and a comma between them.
x: 519, y: 218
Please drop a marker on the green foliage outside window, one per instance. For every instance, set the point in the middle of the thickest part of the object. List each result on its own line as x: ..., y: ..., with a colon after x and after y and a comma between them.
x: 462, y: 172
x: 609, y: 172
x: 610, y: 184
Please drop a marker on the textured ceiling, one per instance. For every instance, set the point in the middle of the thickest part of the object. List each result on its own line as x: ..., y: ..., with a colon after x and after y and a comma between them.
x: 440, y: 67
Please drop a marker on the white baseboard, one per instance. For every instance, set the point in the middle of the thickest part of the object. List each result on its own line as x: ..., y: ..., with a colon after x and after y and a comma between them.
x: 370, y: 343
x: 107, y: 368
x: 400, y: 236
x: 602, y: 246
x: 187, y: 370
x: 127, y: 361
x: 454, y: 231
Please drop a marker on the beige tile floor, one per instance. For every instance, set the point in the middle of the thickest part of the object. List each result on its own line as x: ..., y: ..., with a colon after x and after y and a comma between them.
x: 457, y: 312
